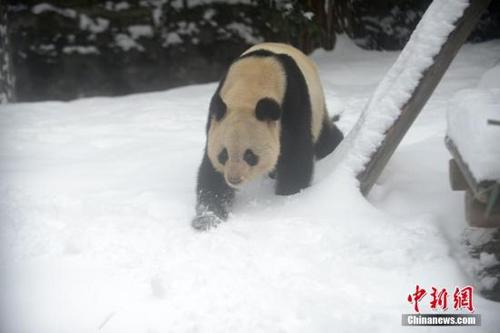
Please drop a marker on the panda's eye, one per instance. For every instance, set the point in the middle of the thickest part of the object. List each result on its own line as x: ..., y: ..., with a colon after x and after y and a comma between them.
x: 250, y: 158
x: 223, y: 156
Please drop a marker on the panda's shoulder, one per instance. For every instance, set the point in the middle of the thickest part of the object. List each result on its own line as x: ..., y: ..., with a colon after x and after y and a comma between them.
x: 279, y: 58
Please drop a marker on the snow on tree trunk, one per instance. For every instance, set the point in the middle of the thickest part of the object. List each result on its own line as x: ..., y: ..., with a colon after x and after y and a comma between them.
x: 360, y: 153
x: 6, y: 77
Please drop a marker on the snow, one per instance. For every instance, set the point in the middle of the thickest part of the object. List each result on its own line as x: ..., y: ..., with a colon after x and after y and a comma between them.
x: 126, y: 42
x: 94, y: 25
x: 47, y: 47
x: 46, y: 7
x: 97, y: 195
x: 122, y: 6
x: 245, y: 32
x: 478, y: 238
x: 187, y: 28
x: 193, y: 3
x: 80, y: 49
x: 157, y: 10
x: 209, y: 14
x: 476, y: 140
x: 172, y: 38
x: 488, y: 259
x: 490, y: 79
x: 141, y: 30
x: 309, y: 15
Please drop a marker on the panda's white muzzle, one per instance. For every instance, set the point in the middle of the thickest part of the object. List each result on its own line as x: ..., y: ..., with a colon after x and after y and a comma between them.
x: 235, y: 173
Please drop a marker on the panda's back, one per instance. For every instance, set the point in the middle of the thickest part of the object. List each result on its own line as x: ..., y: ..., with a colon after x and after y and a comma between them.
x: 310, y: 73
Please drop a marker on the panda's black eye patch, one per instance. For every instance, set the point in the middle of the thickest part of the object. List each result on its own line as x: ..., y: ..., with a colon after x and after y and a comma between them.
x: 251, y: 158
x: 267, y: 109
x: 223, y: 156
x: 217, y: 107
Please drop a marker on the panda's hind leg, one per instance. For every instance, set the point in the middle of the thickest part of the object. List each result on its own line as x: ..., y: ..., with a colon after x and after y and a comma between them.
x: 329, y: 138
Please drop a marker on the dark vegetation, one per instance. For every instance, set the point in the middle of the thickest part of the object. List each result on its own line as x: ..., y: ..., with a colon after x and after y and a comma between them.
x: 65, y: 49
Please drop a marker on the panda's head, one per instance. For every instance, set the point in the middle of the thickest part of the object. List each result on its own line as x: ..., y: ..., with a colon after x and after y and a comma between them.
x: 244, y: 142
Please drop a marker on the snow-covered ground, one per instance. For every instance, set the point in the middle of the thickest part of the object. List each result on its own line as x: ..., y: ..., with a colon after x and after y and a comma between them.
x: 96, y: 198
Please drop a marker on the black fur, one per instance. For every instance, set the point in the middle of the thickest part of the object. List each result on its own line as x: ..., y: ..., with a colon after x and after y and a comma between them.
x: 250, y: 158
x: 217, y: 107
x: 328, y: 139
x: 296, y: 162
x: 267, y: 109
x: 214, y: 196
x: 223, y: 156
x: 216, y: 103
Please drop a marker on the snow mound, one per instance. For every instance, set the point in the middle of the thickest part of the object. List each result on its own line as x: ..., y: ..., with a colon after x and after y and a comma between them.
x: 476, y: 139
x: 490, y: 79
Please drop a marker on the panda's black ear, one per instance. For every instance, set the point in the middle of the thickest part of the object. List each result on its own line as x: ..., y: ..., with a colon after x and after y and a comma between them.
x: 217, y: 107
x: 267, y: 109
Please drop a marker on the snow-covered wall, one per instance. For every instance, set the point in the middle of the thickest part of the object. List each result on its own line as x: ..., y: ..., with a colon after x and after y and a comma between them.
x: 6, y: 74
x: 69, y: 49
x: 387, y: 25
x: 470, y: 116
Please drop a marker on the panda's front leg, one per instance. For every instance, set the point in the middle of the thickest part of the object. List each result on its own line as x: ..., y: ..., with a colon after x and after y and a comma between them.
x: 296, y: 163
x: 213, y: 197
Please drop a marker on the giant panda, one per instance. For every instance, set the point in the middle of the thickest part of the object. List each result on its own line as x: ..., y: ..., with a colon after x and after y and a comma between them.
x: 267, y: 116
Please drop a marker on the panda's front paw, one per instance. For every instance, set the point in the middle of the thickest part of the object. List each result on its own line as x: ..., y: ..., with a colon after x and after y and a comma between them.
x: 206, y: 222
